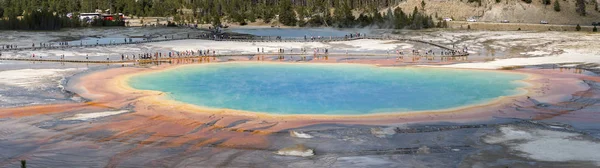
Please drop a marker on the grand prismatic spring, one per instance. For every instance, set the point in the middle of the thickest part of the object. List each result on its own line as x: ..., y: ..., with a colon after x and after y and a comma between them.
x: 333, y: 89
x: 273, y: 97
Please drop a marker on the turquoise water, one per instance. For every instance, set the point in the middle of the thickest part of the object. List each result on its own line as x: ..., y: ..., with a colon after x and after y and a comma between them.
x: 327, y: 88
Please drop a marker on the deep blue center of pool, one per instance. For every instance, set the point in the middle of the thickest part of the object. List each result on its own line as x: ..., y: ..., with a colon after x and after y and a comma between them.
x: 332, y: 89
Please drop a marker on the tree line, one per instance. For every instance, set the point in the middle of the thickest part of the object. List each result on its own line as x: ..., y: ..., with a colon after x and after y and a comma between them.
x: 330, y: 13
x: 46, y: 20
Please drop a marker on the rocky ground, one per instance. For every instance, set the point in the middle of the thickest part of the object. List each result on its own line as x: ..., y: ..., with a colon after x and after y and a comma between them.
x: 515, y: 11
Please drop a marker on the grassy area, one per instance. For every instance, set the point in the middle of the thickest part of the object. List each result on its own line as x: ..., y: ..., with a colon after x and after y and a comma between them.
x: 511, y: 67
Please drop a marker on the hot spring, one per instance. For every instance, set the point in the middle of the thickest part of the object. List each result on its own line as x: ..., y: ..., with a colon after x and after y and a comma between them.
x: 330, y: 89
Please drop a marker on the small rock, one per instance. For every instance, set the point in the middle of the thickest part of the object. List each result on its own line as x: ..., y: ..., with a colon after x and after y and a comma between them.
x: 423, y: 150
x: 298, y: 150
x: 300, y: 135
x: 382, y: 132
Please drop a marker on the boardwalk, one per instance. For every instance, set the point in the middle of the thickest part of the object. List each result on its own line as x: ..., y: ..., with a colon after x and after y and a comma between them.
x: 454, y: 57
x: 459, y: 56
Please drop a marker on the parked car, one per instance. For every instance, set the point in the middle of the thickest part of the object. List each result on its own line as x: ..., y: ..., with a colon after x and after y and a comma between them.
x: 471, y: 20
x: 504, y: 21
x: 543, y: 22
x: 595, y: 23
x: 447, y: 19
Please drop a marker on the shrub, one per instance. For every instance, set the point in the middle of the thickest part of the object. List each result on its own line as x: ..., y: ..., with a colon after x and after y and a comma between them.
x: 511, y: 67
x: 171, y: 24
x: 578, y: 28
x: 595, y: 29
x: 556, y: 6
x: 546, y: 2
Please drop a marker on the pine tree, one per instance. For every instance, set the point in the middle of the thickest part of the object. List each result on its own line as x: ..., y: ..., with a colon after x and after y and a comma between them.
x: 267, y: 14
x: 377, y: 18
x: 251, y: 16
x: 546, y: 2
x: 343, y: 15
x: 430, y: 22
x: 415, y: 13
x: 390, y: 14
x: 401, y: 18
x: 362, y: 20
x: 417, y: 22
x: 390, y: 19
x: 556, y: 6
x: 216, y: 20
x: 207, y: 11
x: 286, y: 13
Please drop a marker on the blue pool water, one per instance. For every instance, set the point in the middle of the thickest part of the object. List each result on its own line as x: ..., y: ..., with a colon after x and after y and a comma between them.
x: 296, y: 32
x: 104, y: 40
x: 327, y: 88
